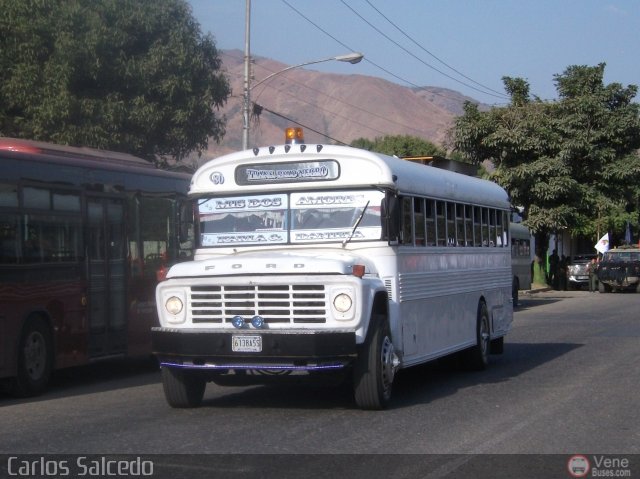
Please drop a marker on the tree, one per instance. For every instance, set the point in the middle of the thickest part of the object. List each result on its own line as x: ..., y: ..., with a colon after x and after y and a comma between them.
x: 569, y: 162
x: 399, y: 145
x: 128, y: 75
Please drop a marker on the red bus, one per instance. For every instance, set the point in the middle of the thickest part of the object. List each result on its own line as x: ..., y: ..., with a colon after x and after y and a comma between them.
x: 83, y: 234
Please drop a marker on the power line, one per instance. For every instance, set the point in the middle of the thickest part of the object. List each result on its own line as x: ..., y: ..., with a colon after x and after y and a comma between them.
x: 366, y: 59
x: 431, y: 54
x: 415, y: 56
x: 332, y: 98
x: 301, y: 124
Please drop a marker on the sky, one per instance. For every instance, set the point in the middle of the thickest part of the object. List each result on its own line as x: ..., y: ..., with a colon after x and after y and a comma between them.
x: 467, y: 46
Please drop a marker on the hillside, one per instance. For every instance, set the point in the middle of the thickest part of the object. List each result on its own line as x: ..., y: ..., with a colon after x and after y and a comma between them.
x: 342, y: 107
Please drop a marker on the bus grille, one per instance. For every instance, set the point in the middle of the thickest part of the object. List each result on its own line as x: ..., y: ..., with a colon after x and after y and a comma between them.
x: 275, y: 303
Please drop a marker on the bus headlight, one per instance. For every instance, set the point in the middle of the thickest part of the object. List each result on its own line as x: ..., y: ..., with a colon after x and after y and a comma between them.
x: 342, y: 302
x: 174, y: 305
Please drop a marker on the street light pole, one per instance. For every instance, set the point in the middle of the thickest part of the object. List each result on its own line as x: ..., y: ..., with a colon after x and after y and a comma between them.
x: 349, y: 58
x: 246, y: 98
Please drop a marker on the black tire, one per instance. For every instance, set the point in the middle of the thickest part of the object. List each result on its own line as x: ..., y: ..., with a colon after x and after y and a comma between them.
x: 183, y: 389
x: 35, y: 359
x: 497, y: 346
x: 374, y: 367
x: 515, y: 288
x: 478, y: 355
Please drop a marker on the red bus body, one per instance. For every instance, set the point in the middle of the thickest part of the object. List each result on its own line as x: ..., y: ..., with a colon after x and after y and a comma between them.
x: 83, y: 235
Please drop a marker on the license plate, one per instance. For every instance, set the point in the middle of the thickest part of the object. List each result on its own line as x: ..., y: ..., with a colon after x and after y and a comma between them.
x: 246, y: 344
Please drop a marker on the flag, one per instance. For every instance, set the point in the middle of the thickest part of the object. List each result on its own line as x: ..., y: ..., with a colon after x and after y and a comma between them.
x: 627, y: 234
x: 603, y: 244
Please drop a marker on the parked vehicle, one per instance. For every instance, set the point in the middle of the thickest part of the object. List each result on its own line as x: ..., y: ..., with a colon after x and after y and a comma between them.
x: 619, y: 270
x: 577, y: 270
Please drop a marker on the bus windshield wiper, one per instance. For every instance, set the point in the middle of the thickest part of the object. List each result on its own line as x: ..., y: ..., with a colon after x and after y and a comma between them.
x: 355, y: 226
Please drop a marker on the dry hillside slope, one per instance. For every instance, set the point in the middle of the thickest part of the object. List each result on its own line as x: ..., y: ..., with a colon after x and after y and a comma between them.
x: 333, y: 108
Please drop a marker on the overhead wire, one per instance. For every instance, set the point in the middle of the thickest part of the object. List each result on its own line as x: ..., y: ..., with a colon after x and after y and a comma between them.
x: 332, y: 98
x: 401, y: 31
x: 366, y: 59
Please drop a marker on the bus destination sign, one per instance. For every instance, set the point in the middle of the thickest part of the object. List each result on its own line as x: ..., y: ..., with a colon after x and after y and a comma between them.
x: 298, y: 172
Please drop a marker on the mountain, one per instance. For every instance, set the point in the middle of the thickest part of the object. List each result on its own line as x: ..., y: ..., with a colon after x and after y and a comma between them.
x: 332, y: 108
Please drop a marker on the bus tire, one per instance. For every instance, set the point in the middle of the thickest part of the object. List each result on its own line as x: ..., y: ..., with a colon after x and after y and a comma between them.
x: 182, y: 389
x: 374, y: 367
x: 478, y: 355
x: 497, y: 346
x: 515, y: 288
x: 35, y: 359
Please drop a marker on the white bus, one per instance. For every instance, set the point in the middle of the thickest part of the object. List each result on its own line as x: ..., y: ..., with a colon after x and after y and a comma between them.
x: 315, y: 258
x: 520, y: 258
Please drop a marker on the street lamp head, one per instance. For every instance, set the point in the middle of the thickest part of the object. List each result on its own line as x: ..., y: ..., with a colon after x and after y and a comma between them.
x: 352, y: 58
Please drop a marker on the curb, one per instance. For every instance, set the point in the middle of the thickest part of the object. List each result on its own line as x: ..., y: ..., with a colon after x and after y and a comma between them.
x: 537, y: 290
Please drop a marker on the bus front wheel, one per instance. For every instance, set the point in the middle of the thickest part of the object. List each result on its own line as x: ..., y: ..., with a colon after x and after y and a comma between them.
x: 182, y: 389
x: 35, y: 359
x: 375, y: 366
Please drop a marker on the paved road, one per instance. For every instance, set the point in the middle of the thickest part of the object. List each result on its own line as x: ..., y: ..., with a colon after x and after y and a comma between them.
x: 567, y: 383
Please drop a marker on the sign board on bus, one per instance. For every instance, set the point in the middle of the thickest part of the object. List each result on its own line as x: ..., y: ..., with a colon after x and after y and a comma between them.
x: 294, y: 172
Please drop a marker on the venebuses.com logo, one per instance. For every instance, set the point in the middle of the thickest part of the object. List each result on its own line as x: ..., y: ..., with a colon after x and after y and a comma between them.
x: 580, y: 465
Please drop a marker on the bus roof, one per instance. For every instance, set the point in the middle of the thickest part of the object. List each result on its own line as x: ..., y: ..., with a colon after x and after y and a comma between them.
x: 277, y: 168
x: 520, y: 231
x: 79, y: 156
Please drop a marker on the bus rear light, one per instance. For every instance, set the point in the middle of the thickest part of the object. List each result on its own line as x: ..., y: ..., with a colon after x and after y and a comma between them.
x: 358, y: 270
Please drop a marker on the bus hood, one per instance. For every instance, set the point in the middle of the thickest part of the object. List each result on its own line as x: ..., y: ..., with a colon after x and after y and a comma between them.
x: 271, y: 262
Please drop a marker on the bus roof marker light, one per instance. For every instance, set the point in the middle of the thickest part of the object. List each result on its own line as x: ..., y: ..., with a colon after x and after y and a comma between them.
x: 256, y: 151
x: 318, y: 148
x: 293, y: 136
x: 302, y: 148
x: 287, y: 148
x: 272, y: 149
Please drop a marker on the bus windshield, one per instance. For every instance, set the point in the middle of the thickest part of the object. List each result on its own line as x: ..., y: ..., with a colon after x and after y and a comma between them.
x: 281, y: 218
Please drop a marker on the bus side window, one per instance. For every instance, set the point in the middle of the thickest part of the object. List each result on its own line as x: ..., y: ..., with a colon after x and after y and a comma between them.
x: 441, y: 227
x: 419, y: 221
x: 477, y: 226
x: 391, y: 218
x: 468, y: 224
x: 430, y: 216
x: 9, y: 232
x: 407, y: 221
x: 460, y: 231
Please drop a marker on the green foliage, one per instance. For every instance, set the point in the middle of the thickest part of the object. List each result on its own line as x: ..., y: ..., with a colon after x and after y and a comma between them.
x: 573, y: 163
x: 128, y: 75
x: 400, y: 145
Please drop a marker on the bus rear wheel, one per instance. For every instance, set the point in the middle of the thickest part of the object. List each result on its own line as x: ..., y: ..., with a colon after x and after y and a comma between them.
x: 375, y: 366
x: 35, y: 359
x: 478, y: 355
x: 182, y: 389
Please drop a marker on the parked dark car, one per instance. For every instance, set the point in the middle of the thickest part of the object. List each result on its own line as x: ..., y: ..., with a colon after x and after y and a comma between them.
x: 619, y: 270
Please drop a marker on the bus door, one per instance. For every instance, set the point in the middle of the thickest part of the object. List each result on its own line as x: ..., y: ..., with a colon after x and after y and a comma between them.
x: 106, y: 263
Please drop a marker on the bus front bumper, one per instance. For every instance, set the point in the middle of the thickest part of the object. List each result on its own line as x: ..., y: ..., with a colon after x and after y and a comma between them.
x: 276, y: 350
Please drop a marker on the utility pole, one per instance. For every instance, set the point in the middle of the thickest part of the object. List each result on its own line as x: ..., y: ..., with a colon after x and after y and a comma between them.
x: 246, y: 99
